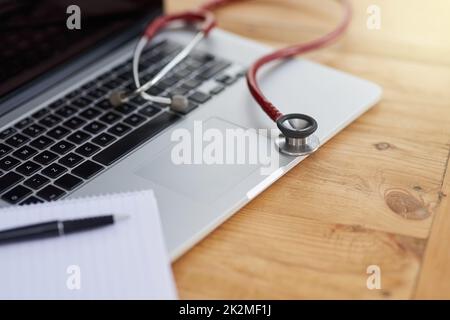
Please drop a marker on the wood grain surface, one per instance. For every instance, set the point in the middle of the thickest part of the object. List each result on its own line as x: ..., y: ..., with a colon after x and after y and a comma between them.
x: 376, y: 194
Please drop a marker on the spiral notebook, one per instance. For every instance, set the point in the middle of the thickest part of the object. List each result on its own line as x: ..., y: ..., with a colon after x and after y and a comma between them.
x: 125, y: 261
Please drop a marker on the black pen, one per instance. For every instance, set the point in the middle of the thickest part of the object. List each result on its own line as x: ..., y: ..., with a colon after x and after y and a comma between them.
x: 57, y: 228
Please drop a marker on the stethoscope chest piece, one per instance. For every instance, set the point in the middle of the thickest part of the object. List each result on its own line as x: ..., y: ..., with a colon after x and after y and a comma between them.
x: 297, y: 136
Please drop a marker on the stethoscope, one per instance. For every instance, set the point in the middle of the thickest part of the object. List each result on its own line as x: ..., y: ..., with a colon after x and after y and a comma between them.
x: 297, y: 136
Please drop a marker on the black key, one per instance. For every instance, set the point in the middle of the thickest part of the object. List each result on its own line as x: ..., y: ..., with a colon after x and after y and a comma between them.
x: 66, y: 112
x: 94, y: 127
x: 135, y: 138
x: 125, y: 108
x: 121, y: 67
x: 228, y: 80
x: 31, y: 200
x: 203, y: 57
x: 156, y: 90
x: 4, y: 149
x: 50, y: 121
x: 217, y: 90
x: 36, y: 182
x: 79, y: 137
x: 87, y: 169
x: 148, y: 74
x: 110, y: 118
x: 149, y: 111
x: 42, y: 142
x: 145, y: 64
x: 62, y: 147
x: 53, y: 171
x: 23, y: 123
x: 231, y: 80
x: 134, y: 120
x: 156, y: 58
x: 97, y: 93
x: 169, y: 49
x: 138, y: 101
x: 130, y: 87
x: 119, y: 129
x: 213, y: 70
x: 168, y: 82
x: 89, y: 85
x: 124, y: 76
x: 7, y: 163
x: 58, y: 132
x: 104, y: 76
x: 56, y: 104
x: 112, y: 84
x: 104, y: 104
x: 74, y: 123
x: 68, y: 182
x: 103, y: 139
x: 40, y: 113
x: 90, y: 113
x: 87, y: 149
x: 224, y: 78
x: 183, y: 73
x: 192, y: 64
x: 181, y: 91
x: 28, y: 168
x: 8, y: 180
x: 191, y: 84
x: 7, y: 133
x: 24, y: 153
x: 16, y: 194
x: 33, y: 130
x: 81, y: 102
x: 70, y: 160
x: 199, y: 97
x: 51, y: 193
x: 17, y: 140
x: 45, y: 157
x: 175, y: 76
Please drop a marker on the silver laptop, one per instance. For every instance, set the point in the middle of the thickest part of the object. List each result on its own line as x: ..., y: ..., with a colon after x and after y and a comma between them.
x: 61, y: 138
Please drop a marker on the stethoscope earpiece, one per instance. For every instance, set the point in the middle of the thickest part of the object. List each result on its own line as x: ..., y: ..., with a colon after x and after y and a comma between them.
x: 297, y: 136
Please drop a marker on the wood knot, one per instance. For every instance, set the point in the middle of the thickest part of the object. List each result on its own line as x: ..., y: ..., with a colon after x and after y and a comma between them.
x: 383, y: 146
x: 406, y: 205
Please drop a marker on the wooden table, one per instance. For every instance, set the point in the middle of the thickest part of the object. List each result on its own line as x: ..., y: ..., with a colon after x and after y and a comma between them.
x: 376, y: 194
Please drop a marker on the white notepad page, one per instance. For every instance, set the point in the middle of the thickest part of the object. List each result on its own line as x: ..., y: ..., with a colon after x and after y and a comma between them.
x: 127, y: 260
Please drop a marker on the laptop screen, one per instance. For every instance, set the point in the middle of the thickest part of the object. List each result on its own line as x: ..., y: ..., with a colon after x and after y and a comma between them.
x: 40, y: 35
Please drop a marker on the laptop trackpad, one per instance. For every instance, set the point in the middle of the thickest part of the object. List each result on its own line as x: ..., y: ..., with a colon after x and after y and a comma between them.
x: 197, y: 179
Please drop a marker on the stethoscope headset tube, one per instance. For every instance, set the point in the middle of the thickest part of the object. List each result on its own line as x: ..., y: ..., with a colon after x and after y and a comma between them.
x: 297, y: 130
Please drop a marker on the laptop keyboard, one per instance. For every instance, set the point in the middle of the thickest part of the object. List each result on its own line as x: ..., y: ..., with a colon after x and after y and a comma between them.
x: 65, y: 144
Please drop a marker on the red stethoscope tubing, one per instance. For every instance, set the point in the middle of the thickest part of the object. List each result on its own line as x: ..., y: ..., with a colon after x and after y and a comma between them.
x: 205, y: 15
x: 289, y: 52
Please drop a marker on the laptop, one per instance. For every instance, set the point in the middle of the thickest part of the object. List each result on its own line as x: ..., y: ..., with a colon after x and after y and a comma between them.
x: 61, y: 138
